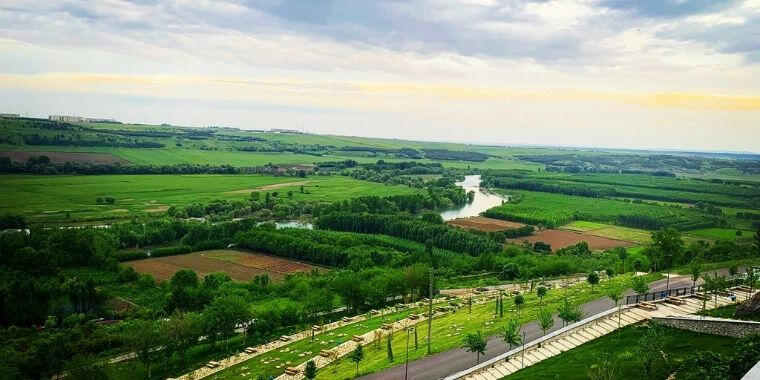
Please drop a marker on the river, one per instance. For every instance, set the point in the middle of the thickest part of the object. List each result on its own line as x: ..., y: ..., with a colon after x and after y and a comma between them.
x: 483, y: 200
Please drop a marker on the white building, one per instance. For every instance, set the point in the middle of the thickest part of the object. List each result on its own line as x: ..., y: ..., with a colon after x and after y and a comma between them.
x: 67, y: 119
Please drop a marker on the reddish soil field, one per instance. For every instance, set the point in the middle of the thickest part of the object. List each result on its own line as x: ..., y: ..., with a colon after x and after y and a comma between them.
x: 61, y: 157
x: 561, y: 239
x: 484, y: 224
x: 240, y: 266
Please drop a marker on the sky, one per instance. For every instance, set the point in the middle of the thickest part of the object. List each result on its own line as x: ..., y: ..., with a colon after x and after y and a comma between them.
x: 641, y: 74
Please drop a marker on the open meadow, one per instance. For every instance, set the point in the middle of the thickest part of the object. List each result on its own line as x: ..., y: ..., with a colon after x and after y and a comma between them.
x: 51, y: 198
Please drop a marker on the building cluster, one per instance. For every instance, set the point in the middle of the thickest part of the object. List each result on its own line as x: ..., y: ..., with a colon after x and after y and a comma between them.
x: 9, y: 115
x: 80, y: 119
x: 282, y: 130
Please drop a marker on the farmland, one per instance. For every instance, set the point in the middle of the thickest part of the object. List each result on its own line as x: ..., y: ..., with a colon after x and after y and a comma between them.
x: 554, y: 210
x: 484, y: 224
x: 49, y: 198
x: 561, y: 239
x: 240, y: 266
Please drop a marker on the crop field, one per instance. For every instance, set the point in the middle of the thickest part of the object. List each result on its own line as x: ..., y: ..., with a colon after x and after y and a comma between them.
x: 240, y: 266
x: 49, y: 198
x: 554, y: 210
x: 561, y: 239
x: 484, y: 224
x: 669, y: 190
x: 633, y: 235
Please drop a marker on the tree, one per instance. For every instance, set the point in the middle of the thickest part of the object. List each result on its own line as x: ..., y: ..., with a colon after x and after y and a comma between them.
x: 356, y: 356
x: 475, y: 342
x: 519, y: 302
x: 593, y: 279
x: 751, y: 278
x: 545, y: 320
x: 390, y: 349
x: 733, y: 269
x: 639, y: 285
x: 714, y: 284
x: 622, y: 254
x: 569, y: 312
x: 649, y: 348
x: 310, y: 371
x: 541, y: 292
x: 182, y: 331
x: 509, y: 272
x: 511, y: 334
x: 223, y: 315
x: 616, y: 293
x: 666, y: 242
x: 143, y: 337
x: 695, y: 270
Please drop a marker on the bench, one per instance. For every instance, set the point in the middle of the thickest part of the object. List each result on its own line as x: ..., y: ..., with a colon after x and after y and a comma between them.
x: 212, y: 364
x: 250, y: 350
x: 325, y: 353
x: 357, y: 338
x: 414, y: 316
x: 346, y: 319
x: 647, y: 306
x: 285, y: 338
x: 386, y: 326
x: 675, y: 301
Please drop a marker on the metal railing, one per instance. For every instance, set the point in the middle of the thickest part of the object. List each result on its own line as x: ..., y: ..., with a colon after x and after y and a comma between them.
x: 675, y: 292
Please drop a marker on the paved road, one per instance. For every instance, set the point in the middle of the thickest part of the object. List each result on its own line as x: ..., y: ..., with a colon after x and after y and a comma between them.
x: 445, y: 363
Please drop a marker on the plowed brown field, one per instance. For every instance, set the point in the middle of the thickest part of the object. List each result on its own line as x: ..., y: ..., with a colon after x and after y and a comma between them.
x: 484, y: 224
x: 560, y: 239
x: 240, y: 266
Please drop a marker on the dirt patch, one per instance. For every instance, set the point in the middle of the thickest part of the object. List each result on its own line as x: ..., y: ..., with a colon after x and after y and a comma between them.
x: 62, y: 157
x: 484, y: 224
x: 240, y: 266
x: 268, y: 187
x: 157, y: 208
x: 561, y: 239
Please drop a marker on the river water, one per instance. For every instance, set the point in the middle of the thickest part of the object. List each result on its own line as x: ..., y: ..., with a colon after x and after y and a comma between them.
x: 482, y: 201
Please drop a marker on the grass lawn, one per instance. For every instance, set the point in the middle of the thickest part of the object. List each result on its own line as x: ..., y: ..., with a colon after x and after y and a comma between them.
x: 635, y: 235
x: 445, y: 335
x: 621, y: 345
x: 48, y: 198
x: 728, y: 312
x: 721, y: 233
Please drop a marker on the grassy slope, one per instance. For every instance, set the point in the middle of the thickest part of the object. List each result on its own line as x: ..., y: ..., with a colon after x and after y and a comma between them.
x: 49, y: 197
x: 574, y: 364
x: 443, y: 331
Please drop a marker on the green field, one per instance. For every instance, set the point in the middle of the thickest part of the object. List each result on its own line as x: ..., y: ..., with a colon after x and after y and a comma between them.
x: 554, y: 210
x: 630, y: 234
x: 621, y: 345
x: 721, y: 233
x: 48, y: 198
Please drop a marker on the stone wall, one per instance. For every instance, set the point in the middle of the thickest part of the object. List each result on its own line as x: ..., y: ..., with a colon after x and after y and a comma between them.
x: 718, y: 326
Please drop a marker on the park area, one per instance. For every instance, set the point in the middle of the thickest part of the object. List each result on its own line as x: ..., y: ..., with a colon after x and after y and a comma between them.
x: 240, y: 266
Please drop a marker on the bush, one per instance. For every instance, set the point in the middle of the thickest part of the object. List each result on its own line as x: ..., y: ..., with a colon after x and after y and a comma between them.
x: 510, y: 272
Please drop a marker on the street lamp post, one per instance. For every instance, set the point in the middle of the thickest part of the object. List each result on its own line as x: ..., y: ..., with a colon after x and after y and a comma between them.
x: 523, y: 351
x: 667, y: 282
x: 406, y: 366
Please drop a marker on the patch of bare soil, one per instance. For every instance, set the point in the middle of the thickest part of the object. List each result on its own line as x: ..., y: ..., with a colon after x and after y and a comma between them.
x: 561, y: 239
x: 484, y: 224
